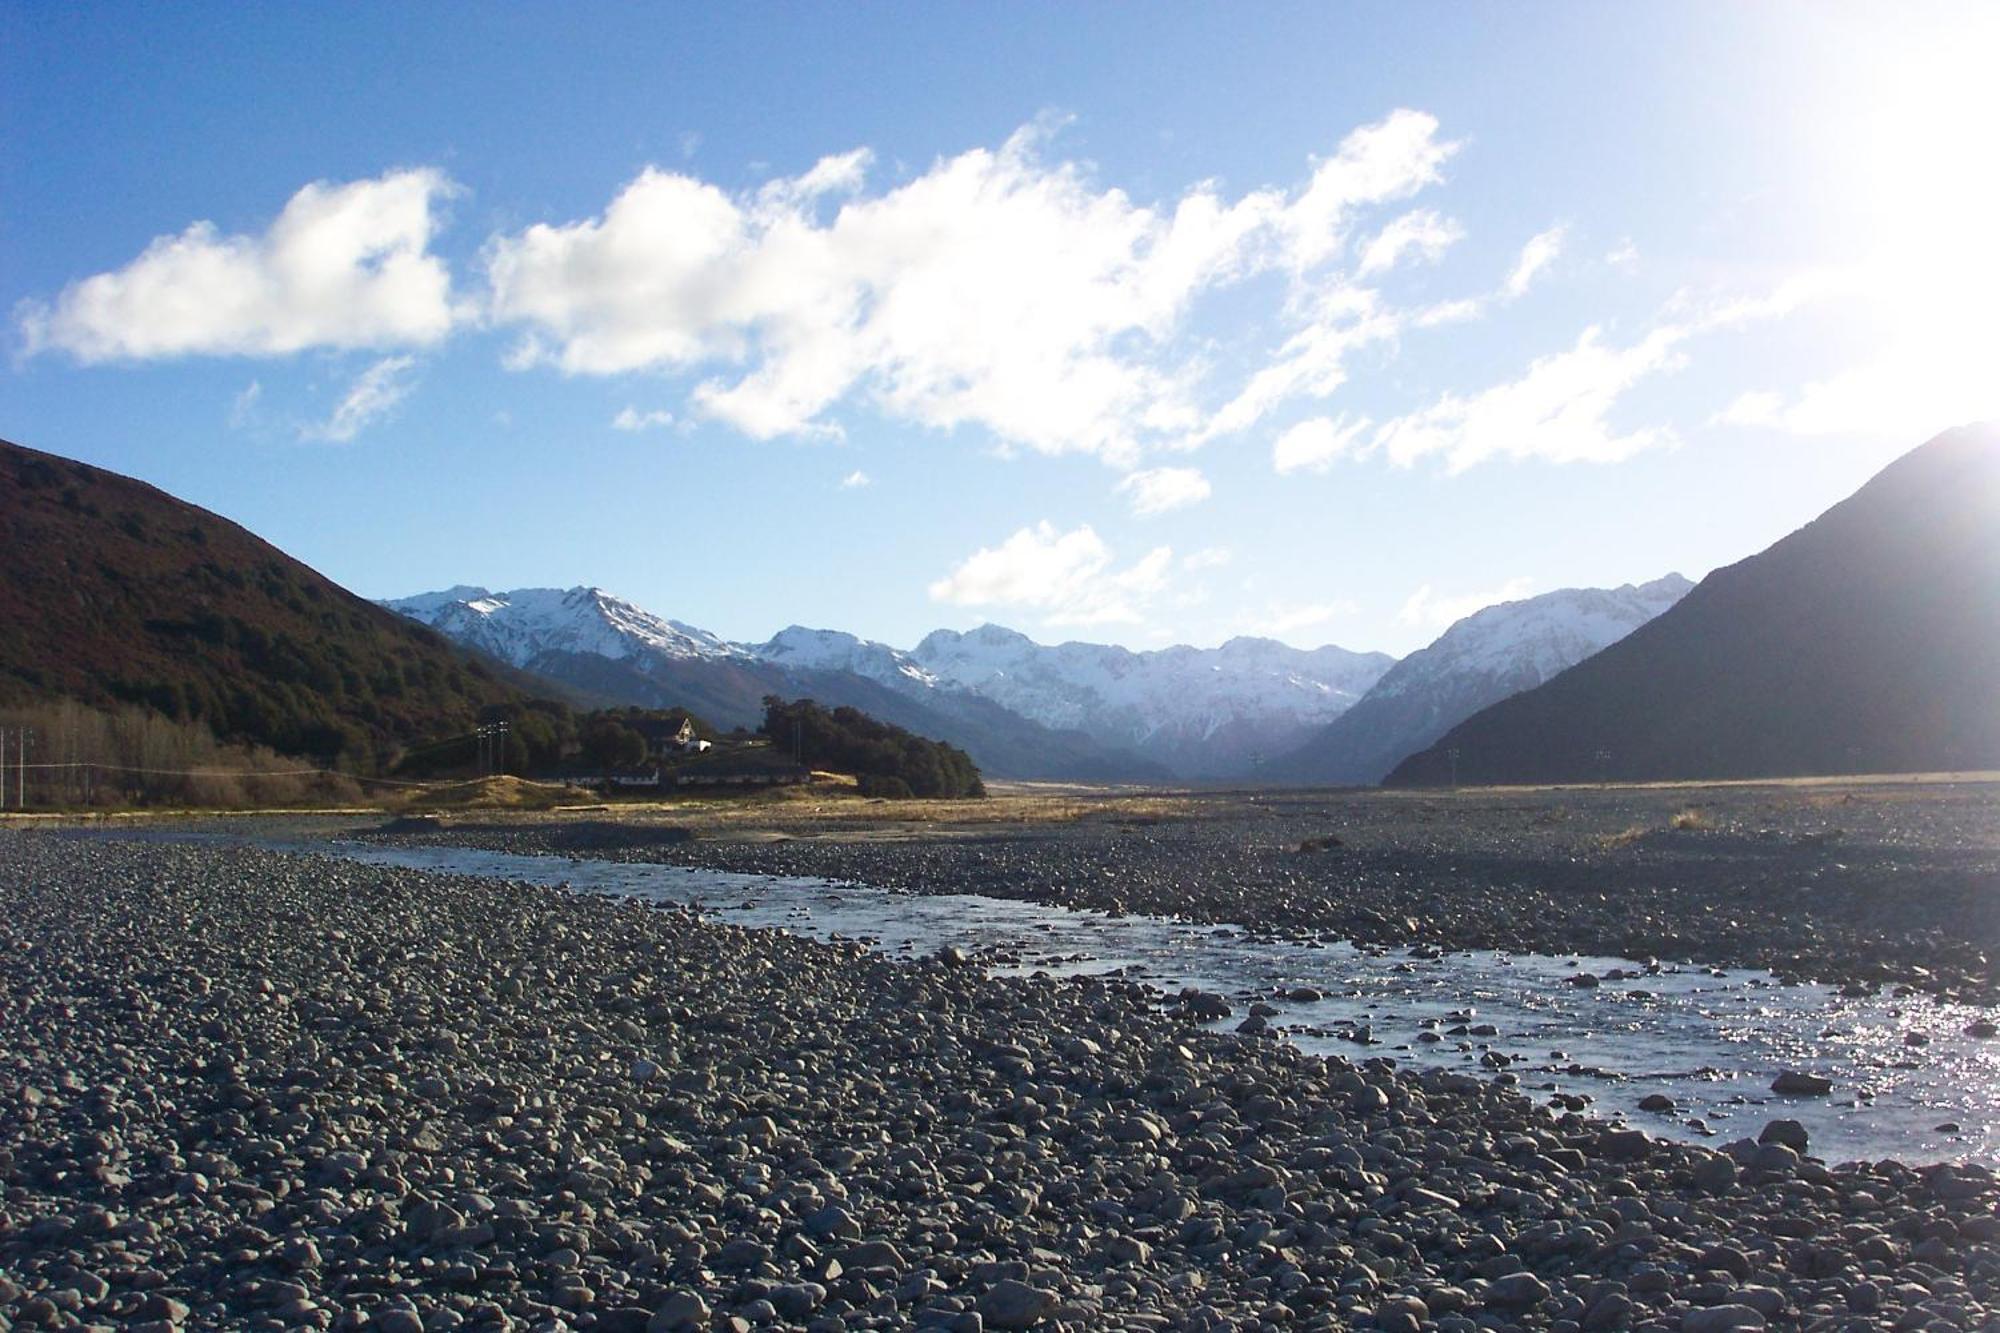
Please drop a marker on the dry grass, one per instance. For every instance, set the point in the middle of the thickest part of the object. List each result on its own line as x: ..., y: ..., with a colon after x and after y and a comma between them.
x: 1691, y: 819
x: 1611, y: 842
x: 500, y: 793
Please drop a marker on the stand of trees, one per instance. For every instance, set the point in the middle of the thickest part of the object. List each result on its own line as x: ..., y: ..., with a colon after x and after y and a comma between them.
x: 544, y: 736
x: 888, y: 760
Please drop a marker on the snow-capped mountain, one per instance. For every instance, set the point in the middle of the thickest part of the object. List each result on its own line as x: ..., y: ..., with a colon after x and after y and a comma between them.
x: 523, y: 625
x: 1018, y: 707
x: 608, y: 649
x: 1204, y: 712
x: 1488, y: 656
x: 837, y: 650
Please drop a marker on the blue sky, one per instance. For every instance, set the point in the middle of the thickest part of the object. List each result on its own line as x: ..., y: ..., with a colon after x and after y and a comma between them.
x: 1131, y: 324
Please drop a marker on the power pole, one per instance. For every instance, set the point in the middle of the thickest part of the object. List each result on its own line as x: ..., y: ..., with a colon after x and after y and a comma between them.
x: 3, y: 768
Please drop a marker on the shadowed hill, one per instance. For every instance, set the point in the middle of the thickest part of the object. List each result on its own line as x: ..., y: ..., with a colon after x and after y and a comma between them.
x: 1867, y: 641
x: 116, y: 592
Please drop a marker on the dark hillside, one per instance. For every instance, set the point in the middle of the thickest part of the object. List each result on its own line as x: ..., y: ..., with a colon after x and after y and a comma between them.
x: 1866, y: 642
x: 114, y: 592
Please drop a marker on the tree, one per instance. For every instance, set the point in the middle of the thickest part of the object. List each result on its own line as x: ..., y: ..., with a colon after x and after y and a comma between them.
x: 610, y: 744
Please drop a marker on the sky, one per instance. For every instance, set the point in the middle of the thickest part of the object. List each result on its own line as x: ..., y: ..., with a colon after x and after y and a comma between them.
x: 1132, y: 324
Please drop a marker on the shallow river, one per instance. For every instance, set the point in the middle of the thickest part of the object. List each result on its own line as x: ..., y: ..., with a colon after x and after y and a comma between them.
x: 1908, y: 1082
x: 1711, y: 1040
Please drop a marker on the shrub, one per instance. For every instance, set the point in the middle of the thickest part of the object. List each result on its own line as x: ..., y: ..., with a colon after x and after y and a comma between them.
x: 887, y: 787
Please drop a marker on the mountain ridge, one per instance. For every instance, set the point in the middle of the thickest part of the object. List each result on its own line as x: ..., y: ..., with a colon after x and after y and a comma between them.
x: 1490, y: 655
x: 658, y: 662
x: 1866, y: 641
x: 118, y: 593
x: 1191, y: 712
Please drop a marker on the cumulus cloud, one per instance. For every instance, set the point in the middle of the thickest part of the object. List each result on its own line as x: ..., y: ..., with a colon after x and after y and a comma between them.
x: 1429, y: 610
x: 1162, y: 490
x: 632, y: 419
x: 1558, y: 410
x: 1070, y: 578
x: 343, y: 266
x: 995, y: 289
x: 1376, y: 164
x: 1540, y: 251
x: 855, y: 480
x: 1421, y: 232
x: 1315, y: 443
x: 374, y: 394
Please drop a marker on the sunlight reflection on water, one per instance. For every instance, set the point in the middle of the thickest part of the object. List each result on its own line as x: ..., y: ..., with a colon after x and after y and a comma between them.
x: 1710, y: 1039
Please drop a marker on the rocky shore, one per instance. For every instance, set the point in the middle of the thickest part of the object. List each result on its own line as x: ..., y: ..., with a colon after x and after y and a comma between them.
x: 1890, y: 885
x: 246, y: 1090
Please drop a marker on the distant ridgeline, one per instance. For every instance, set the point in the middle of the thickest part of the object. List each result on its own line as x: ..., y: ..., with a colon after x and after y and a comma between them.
x: 888, y: 760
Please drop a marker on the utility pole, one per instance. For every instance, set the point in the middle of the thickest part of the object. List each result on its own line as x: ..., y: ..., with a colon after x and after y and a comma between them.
x: 492, y: 748
x: 3, y: 768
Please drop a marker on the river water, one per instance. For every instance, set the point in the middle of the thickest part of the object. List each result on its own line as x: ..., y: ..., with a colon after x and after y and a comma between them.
x: 1908, y: 1082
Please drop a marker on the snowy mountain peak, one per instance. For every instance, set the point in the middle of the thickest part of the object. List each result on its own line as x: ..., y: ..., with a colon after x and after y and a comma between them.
x: 1536, y: 637
x: 521, y: 625
x: 1202, y: 710
x: 1487, y: 656
x: 836, y: 650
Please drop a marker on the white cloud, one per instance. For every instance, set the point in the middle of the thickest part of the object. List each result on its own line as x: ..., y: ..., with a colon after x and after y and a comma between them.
x: 343, y: 266
x: 1208, y: 557
x: 1313, y: 361
x: 1376, y: 164
x: 855, y: 480
x: 1314, y: 444
x: 1161, y: 490
x: 1556, y: 411
x: 632, y: 419
x: 1420, y: 232
x: 374, y: 393
x: 1624, y: 256
x: 994, y: 289
x: 1067, y: 576
x: 1426, y: 609
x: 1540, y: 251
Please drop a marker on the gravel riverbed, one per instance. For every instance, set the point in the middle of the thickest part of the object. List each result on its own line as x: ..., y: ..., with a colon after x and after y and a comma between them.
x: 241, y: 1089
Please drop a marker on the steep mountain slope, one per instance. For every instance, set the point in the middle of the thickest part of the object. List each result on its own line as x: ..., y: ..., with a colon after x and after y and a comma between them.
x: 1202, y: 712
x: 1486, y: 657
x: 1867, y: 641
x: 591, y: 640
x: 116, y: 592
